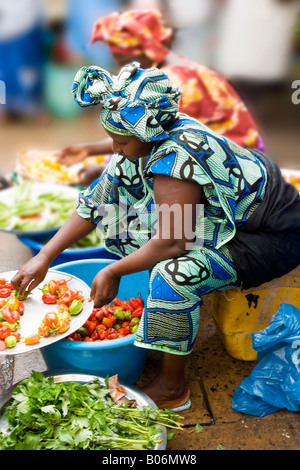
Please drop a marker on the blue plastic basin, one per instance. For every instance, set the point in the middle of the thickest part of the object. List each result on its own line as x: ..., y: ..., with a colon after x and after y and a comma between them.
x: 118, y: 356
x: 37, y: 242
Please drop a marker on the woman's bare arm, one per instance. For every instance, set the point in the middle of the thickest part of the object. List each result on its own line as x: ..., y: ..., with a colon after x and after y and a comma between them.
x: 34, y: 271
x: 173, y: 234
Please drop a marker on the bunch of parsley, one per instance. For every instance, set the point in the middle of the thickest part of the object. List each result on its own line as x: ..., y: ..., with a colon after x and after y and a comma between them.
x: 45, y: 415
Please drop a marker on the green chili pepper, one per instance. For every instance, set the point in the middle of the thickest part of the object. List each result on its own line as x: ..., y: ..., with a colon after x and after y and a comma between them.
x: 45, y: 289
x: 16, y: 293
x: 119, y: 314
x: 10, y: 341
x: 75, y: 307
x: 83, y: 331
x: 12, y: 326
x: 134, y: 328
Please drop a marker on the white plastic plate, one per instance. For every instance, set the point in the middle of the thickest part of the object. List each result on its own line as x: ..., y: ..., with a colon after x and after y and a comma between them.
x: 35, y: 310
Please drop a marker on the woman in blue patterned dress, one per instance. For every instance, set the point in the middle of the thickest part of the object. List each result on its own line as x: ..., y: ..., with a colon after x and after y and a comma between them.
x: 198, y: 211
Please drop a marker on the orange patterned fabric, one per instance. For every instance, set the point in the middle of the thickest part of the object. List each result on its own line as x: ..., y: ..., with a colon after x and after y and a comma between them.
x: 134, y: 32
x: 208, y: 97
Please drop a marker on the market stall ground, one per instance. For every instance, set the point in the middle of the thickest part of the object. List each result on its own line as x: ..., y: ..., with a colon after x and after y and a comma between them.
x: 210, y: 423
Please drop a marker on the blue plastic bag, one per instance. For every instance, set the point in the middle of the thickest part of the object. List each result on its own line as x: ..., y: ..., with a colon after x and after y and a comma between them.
x: 274, y: 384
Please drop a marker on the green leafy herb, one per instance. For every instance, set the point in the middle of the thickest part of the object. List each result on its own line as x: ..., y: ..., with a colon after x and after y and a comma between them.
x: 44, y: 415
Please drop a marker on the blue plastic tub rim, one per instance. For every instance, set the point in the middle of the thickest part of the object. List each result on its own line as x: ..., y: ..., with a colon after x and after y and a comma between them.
x: 108, y: 344
x: 36, y: 245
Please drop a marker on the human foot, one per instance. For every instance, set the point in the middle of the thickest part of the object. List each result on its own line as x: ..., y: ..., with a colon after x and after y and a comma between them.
x: 165, y: 397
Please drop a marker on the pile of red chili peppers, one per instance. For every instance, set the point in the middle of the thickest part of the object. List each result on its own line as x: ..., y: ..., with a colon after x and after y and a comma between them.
x: 115, y: 320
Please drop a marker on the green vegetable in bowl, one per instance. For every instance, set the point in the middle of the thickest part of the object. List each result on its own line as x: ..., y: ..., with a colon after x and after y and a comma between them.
x: 27, y: 211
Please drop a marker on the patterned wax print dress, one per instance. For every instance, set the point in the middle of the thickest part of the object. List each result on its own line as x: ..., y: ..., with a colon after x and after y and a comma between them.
x: 122, y: 202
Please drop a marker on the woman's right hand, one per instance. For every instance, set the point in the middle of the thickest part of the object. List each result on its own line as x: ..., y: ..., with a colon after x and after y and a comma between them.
x: 72, y: 154
x: 31, y: 274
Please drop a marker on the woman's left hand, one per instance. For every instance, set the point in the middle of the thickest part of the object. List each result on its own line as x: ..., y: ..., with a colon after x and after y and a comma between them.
x: 105, y: 287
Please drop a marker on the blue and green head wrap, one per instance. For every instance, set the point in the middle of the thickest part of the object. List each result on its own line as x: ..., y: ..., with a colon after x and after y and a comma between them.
x: 136, y: 102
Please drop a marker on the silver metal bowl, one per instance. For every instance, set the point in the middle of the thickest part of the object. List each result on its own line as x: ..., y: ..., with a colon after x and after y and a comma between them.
x: 132, y: 393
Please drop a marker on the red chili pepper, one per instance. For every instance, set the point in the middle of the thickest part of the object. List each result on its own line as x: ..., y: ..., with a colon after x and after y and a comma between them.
x: 49, y: 298
x: 4, y: 331
x: 90, y: 325
x: 69, y: 296
x: 129, y: 307
x: 10, y: 315
x: 16, y: 334
x: 21, y: 307
x: 62, y: 289
x: 66, y: 297
x: 102, y: 334
x: 2, y: 281
x: 112, y: 336
x: 5, y: 292
x: 117, y: 301
x: 105, y: 310
x: 133, y: 302
x: 126, y: 330
x: 94, y: 336
x: 100, y: 315
x: 138, y: 312
x: 76, y: 337
x: 101, y: 327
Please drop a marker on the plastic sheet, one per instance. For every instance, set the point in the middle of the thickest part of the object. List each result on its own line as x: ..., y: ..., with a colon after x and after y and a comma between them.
x: 274, y: 383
